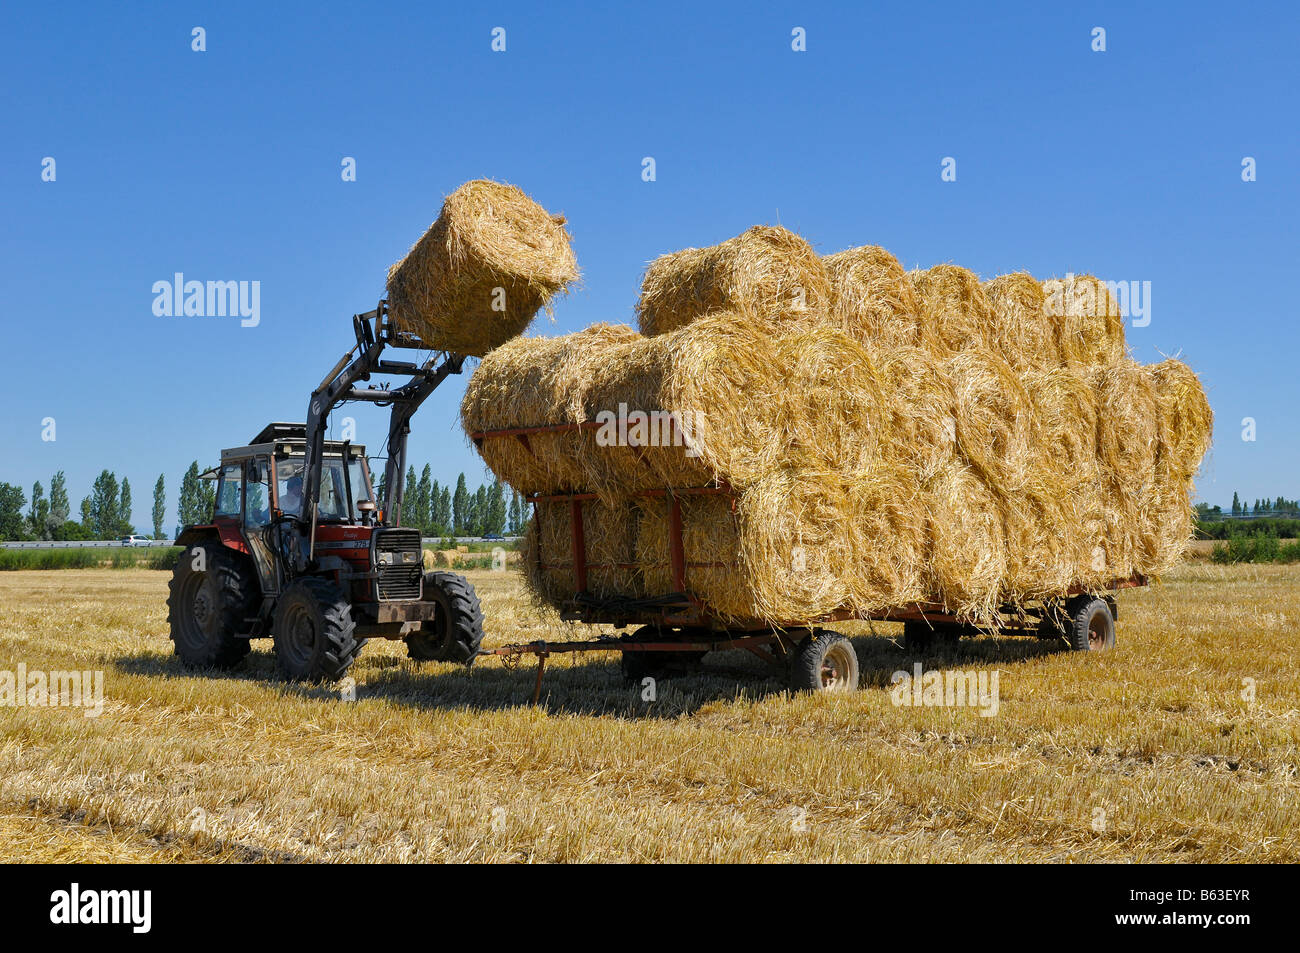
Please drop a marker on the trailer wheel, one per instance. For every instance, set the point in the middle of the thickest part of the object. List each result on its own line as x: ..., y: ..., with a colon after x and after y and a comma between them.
x: 825, y: 662
x: 920, y: 637
x: 314, y: 631
x: 206, y: 607
x: 456, y: 631
x: 1091, y: 625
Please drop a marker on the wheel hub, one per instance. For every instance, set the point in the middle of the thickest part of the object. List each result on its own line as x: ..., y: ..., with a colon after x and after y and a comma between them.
x: 202, y: 609
x: 1096, y: 633
x: 834, y: 670
x: 302, y: 634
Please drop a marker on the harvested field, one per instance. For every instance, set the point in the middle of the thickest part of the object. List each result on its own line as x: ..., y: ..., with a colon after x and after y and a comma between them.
x: 433, y: 763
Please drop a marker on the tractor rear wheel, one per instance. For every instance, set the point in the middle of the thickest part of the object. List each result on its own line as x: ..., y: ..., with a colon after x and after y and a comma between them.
x: 825, y: 662
x: 456, y: 631
x: 212, y: 592
x: 315, y: 635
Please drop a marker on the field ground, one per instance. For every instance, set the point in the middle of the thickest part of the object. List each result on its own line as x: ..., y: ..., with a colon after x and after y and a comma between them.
x: 1151, y: 752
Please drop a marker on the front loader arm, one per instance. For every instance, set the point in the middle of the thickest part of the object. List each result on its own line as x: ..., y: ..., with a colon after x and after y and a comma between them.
x: 340, y: 386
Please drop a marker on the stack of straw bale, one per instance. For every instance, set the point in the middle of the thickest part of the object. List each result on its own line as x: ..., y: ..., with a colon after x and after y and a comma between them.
x: 889, y: 438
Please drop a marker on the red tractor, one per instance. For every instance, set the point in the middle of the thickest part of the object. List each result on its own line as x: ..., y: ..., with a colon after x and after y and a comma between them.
x: 301, y: 550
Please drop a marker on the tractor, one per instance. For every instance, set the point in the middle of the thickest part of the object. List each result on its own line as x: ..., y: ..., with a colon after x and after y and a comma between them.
x: 301, y: 550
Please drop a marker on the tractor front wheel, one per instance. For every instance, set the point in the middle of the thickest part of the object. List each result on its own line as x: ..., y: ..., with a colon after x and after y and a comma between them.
x: 456, y: 630
x: 315, y: 635
x: 212, y: 592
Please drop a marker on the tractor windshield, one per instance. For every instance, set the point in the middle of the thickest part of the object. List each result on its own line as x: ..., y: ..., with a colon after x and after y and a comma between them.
x: 341, y: 487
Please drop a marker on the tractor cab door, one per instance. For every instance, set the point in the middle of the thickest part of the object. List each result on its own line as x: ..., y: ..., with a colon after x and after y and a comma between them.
x: 258, y: 527
x: 227, y: 516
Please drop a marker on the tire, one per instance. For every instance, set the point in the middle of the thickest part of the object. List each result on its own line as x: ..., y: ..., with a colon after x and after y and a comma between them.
x: 638, y: 665
x: 456, y: 632
x: 921, y: 637
x: 825, y: 662
x: 206, y: 608
x: 315, y: 638
x: 1090, y: 624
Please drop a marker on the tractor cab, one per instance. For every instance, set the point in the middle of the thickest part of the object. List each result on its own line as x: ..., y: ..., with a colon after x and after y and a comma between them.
x: 260, y: 498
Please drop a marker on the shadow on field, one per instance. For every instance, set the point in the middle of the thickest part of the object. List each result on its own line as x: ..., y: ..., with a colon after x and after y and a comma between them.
x: 592, y: 683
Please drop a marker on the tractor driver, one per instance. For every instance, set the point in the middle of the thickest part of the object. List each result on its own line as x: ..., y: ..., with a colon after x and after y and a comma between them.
x: 291, y: 498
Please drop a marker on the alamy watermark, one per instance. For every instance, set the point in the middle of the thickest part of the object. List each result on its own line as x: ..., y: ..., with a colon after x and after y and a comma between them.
x: 34, y: 688
x: 208, y: 299
x: 1131, y: 298
x: 953, y: 688
x: 133, y: 908
x: 655, y: 428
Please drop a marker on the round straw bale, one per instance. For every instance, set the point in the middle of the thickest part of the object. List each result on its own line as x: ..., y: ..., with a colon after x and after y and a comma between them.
x: 1089, y: 326
x: 645, y: 438
x: 995, y: 419
x: 1042, y: 558
x: 480, y: 273
x: 1168, y: 521
x: 955, y: 313
x: 921, y: 430
x: 609, y: 534
x: 1022, y: 331
x: 833, y: 401
x: 871, y: 297
x: 1127, y: 425
x: 885, y: 521
x: 967, y: 557
x: 722, y: 375
x: 710, y: 549
x: 766, y: 270
x: 1186, y: 421
x: 1127, y: 446
x: 1065, y: 411
x: 609, y: 545
x: 794, y: 545
x: 547, y: 582
x: 537, y: 382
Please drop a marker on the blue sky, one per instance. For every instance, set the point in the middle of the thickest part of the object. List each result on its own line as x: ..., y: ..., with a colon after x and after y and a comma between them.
x: 225, y: 165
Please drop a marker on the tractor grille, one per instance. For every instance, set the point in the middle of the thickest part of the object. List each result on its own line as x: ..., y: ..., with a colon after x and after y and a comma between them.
x: 399, y: 571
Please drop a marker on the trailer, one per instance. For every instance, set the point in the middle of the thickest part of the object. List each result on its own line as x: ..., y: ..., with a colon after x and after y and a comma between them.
x: 675, y: 630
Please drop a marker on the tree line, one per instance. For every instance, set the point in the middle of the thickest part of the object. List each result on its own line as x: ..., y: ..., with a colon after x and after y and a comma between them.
x: 439, y: 510
x: 1280, y: 507
x: 105, y: 513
